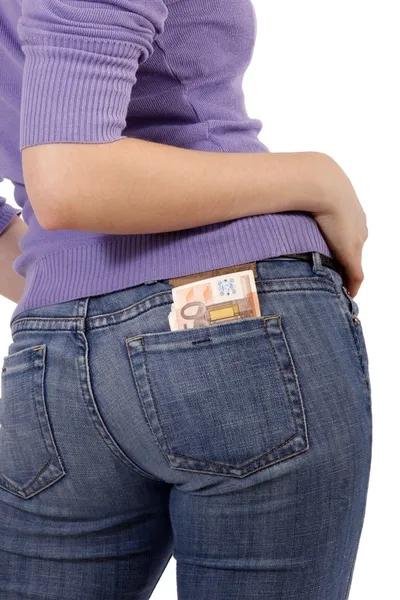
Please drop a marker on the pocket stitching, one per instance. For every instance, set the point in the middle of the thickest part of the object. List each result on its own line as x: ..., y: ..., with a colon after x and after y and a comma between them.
x: 38, y: 396
x: 142, y: 400
x: 194, y: 459
x: 296, y: 384
x: 147, y: 400
x: 282, y: 374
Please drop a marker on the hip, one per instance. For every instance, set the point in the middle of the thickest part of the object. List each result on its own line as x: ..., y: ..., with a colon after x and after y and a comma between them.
x: 229, y: 400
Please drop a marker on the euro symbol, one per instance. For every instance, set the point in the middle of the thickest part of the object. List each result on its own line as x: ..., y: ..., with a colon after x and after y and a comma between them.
x: 200, y: 318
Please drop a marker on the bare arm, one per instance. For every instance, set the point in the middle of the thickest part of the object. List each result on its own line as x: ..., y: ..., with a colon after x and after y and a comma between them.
x: 76, y: 178
x: 205, y: 188
x: 135, y: 186
x: 11, y: 284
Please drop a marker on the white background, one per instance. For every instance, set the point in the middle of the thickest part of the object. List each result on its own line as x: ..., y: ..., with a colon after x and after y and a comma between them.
x: 325, y: 77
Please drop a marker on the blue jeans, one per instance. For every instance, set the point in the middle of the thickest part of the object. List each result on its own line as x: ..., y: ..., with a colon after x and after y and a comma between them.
x: 242, y: 449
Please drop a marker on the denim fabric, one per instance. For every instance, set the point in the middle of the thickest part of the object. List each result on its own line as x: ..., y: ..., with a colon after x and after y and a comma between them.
x: 242, y: 449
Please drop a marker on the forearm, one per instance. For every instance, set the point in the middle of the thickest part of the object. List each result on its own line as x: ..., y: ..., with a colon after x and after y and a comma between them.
x: 134, y: 186
x: 11, y: 284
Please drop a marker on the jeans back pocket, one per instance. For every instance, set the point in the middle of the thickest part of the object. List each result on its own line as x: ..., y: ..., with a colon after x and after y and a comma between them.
x: 222, y: 399
x: 29, y: 461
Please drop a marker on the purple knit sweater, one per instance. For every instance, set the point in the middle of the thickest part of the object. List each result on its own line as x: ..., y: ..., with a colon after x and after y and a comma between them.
x: 168, y: 71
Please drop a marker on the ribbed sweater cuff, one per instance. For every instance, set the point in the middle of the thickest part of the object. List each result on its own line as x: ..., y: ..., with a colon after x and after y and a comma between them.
x: 78, y: 94
x: 7, y: 213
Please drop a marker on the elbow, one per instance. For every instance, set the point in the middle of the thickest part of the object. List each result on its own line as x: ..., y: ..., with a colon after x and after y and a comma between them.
x: 52, y: 209
x: 48, y: 188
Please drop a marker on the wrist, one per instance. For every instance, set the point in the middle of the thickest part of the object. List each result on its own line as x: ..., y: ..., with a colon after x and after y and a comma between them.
x: 322, y: 175
x: 296, y: 181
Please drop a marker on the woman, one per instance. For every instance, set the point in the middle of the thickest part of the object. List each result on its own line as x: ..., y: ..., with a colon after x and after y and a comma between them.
x: 242, y: 449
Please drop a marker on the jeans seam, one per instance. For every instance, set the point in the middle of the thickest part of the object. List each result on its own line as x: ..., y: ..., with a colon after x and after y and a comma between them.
x: 280, y: 369
x: 347, y: 305
x: 96, y: 418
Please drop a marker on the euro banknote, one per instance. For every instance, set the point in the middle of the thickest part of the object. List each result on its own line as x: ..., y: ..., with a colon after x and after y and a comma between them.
x: 220, y: 299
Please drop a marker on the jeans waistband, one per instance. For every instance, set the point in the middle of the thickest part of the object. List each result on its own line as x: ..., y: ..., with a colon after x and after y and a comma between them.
x: 100, y: 311
x: 307, y: 256
x: 325, y: 260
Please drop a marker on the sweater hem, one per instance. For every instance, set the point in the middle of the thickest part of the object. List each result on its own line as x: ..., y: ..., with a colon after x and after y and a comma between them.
x: 112, y: 263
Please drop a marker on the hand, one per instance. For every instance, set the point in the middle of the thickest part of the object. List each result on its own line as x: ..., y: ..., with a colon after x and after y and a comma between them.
x: 342, y: 221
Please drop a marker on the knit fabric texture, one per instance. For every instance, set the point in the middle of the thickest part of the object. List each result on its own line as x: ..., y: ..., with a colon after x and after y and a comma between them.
x: 168, y: 71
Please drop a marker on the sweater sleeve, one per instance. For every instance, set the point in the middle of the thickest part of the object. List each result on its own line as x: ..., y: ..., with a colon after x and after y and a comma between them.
x: 81, y: 60
x: 7, y: 212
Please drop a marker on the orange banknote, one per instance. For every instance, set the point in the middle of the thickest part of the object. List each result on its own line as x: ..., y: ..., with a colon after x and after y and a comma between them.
x: 230, y: 297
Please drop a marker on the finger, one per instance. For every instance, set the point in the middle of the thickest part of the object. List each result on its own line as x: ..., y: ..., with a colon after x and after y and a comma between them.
x: 354, y: 275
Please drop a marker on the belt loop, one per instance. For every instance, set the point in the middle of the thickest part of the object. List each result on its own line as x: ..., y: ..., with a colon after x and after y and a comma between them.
x: 82, y: 311
x: 317, y: 266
